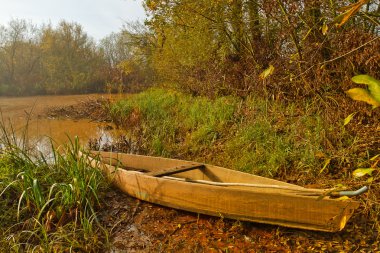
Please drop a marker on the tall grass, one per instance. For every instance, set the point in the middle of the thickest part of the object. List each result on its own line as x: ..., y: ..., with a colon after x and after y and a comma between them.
x: 165, y: 119
x: 252, y: 135
x: 48, y: 204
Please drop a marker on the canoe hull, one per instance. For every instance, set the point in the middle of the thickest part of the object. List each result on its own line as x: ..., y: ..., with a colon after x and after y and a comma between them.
x: 266, y: 205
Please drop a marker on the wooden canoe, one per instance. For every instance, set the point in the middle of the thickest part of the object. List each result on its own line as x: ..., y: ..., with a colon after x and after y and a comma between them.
x: 218, y: 191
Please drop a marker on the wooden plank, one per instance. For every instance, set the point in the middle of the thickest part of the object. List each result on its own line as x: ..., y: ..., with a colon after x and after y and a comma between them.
x: 175, y: 170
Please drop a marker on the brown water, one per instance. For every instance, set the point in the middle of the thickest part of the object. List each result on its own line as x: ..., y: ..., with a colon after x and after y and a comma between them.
x: 21, y: 111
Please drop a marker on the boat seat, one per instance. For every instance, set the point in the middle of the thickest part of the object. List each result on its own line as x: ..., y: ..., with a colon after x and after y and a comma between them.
x: 176, y: 170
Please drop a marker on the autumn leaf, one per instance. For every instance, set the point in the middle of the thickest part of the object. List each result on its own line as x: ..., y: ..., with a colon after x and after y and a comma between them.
x: 351, y: 10
x: 348, y: 118
x: 325, y: 28
x: 373, y: 85
x: 360, y: 94
x: 370, y: 96
x: 267, y: 72
x: 362, y: 172
x: 343, y: 198
x: 327, y: 162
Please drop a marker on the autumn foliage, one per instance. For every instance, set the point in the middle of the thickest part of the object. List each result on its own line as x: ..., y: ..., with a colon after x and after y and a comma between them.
x: 222, y: 47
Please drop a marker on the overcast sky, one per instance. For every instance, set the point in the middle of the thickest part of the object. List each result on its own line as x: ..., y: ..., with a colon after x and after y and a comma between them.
x: 98, y: 17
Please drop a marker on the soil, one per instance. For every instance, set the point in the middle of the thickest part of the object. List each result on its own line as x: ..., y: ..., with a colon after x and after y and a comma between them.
x: 138, y: 226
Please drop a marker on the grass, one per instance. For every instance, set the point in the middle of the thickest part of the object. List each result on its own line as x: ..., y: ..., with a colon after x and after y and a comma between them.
x: 252, y: 135
x: 48, y: 204
x: 168, y: 118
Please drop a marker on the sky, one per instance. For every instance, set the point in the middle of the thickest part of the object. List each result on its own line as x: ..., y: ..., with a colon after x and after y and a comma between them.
x: 99, y: 18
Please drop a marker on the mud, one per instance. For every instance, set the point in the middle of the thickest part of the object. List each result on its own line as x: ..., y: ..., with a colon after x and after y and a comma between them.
x: 94, y: 109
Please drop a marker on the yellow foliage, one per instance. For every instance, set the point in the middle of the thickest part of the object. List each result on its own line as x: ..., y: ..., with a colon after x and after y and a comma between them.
x: 351, y: 10
x: 126, y: 67
x: 360, y: 94
x: 267, y: 72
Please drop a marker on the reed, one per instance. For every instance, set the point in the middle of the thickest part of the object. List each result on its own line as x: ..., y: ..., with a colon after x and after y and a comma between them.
x: 48, y: 203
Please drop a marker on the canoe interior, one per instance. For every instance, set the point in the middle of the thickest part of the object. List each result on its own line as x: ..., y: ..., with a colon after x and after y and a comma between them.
x: 209, y: 172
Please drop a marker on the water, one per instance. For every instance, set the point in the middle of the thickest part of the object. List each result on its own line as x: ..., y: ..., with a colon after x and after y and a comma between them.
x: 26, y: 116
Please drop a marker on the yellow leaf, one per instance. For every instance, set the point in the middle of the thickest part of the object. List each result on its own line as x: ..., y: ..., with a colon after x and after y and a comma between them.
x: 362, y: 172
x: 352, y: 9
x: 360, y: 94
x: 327, y: 162
x: 343, y: 198
x: 325, y: 28
x: 349, y: 118
x: 373, y: 85
x: 267, y: 72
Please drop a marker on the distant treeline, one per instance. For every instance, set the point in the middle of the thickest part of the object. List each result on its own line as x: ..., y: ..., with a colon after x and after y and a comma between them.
x: 64, y: 59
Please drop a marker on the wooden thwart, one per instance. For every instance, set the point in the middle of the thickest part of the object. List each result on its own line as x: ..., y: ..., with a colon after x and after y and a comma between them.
x: 175, y: 170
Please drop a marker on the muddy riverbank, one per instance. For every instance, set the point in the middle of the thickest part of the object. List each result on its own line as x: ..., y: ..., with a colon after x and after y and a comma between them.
x: 137, y: 226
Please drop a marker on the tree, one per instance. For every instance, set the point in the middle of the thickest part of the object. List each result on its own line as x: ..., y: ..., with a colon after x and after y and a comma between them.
x: 222, y: 46
x: 20, y: 56
x: 70, y: 59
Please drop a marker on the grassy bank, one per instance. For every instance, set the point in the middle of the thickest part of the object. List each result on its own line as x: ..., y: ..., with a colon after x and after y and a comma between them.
x: 303, y: 142
x: 48, y: 204
x: 252, y: 135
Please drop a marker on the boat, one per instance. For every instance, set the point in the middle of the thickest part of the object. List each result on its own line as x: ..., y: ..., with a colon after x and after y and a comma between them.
x: 217, y: 191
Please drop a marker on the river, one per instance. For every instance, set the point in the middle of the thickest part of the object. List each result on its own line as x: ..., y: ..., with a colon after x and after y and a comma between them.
x: 20, y: 113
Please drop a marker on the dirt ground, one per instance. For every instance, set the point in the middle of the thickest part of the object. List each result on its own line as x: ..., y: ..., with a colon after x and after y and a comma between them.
x: 138, y: 226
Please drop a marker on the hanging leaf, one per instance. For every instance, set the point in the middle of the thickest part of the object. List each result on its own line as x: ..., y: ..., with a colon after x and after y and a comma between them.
x: 269, y: 71
x: 349, y: 118
x: 350, y: 10
x: 362, y: 172
x: 373, y: 85
x: 360, y: 94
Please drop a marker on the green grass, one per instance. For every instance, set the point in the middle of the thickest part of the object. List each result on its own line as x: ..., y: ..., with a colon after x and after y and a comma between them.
x: 252, y: 135
x: 167, y: 118
x: 48, y: 203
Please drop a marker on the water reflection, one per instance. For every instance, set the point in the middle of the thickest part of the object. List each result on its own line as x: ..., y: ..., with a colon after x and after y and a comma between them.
x: 45, y: 134
x: 24, y: 118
